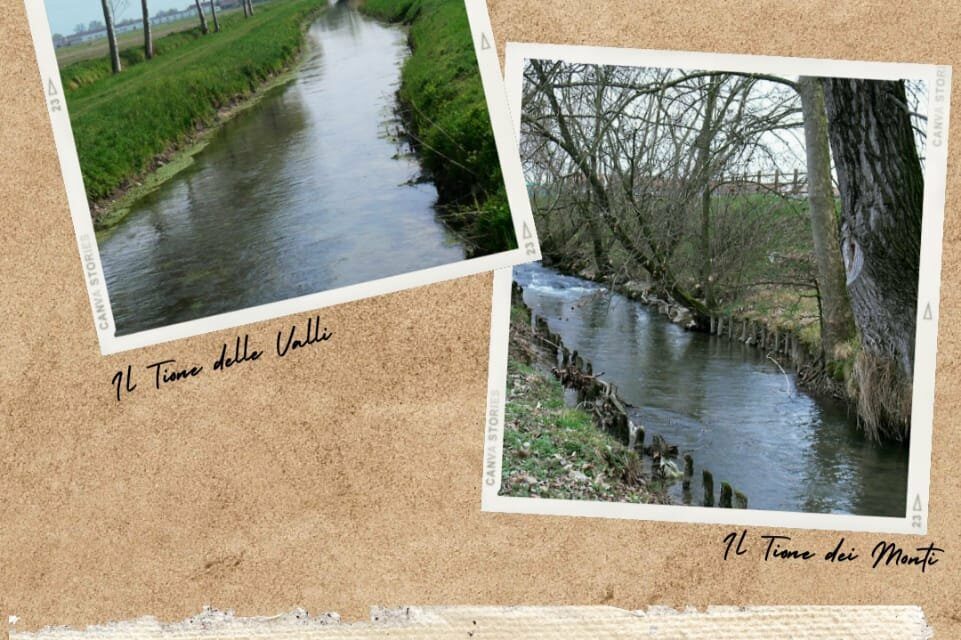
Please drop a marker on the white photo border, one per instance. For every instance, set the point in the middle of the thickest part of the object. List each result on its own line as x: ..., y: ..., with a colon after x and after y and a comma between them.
x: 528, y: 247
x: 915, y: 520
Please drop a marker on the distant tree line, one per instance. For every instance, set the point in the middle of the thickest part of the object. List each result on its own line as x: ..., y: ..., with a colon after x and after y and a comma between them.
x: 113, y: 8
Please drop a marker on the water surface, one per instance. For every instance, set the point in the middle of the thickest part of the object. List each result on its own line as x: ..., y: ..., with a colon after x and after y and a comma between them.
x: 725, y: 403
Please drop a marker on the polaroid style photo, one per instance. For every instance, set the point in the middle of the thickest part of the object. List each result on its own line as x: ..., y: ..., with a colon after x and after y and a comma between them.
x: 233, y: 161
x: 735, y: 318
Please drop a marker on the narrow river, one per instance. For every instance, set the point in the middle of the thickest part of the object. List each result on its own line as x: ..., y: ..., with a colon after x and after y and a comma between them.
x: 307, y: 191
x: 725, y: 403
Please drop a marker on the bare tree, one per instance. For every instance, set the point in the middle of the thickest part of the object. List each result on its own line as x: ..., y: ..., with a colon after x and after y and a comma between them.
x: 147, y: 36
x: 111, y: 36
x: 882, y: 188
x: 642, y: 155
x: 119, y: 7
x: 203, y: 18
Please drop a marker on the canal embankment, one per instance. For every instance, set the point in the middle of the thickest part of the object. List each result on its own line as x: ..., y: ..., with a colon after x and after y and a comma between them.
x: 443, y: 105
x: 640, y: 466
x: 135, y: 129
x: 553, y: 449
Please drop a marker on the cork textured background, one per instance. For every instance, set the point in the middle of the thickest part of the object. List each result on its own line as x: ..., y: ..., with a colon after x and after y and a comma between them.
x: 348, y: 474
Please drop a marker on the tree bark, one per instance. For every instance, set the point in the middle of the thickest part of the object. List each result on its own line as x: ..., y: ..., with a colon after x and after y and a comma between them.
x: 882, y: 189
x: 111, y: 36
x: 213, y: 13
x: 147, y: 35
x: 203, y: 18
x: 837, y: 319
x: 250, y: 7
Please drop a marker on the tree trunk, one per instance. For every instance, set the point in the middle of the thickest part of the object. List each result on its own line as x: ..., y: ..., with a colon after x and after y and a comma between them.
x: 203, y: 18
x: 702, y: 174
x: 147, y: 36
x: 250, y: 7
x: 213, y: 13
x: 111, y: 36
x: 882, y: 188
x: 837, y: 320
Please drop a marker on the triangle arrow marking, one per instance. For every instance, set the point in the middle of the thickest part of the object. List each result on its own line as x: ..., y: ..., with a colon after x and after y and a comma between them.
x: 917, y: 503
x: 485, y: 43
x: 927, y: 312
x: 527, y: 235
x: 51, y: 88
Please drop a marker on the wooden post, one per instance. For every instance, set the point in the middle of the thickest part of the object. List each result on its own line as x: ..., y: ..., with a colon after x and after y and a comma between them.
x: 740, y: 500
x: 726, y: 496
x: 622, y: 427
x: 659, y: 445
x: 777, y: 180
x: 638, y: 435
x: 688, y: 471
x: 707, y: 478
x: 797, y: 186
x: 576, y: 359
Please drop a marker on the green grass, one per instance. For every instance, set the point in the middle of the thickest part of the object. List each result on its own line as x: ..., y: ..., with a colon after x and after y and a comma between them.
x: 447, y: 113
x: 122, y: 123
x: 553, y: 451
x: 89, y: 71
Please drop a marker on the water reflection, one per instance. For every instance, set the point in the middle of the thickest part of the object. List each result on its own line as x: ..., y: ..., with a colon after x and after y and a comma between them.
x: 724, y: 403
x: 305, y: 192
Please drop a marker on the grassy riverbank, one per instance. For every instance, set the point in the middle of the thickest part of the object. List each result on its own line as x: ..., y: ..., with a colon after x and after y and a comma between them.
x: 446, y: 113
x: 555, y: 451
x: 127, y: 125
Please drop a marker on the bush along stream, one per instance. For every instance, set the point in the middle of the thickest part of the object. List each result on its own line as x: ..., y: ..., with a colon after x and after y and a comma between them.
x: 443, y: 105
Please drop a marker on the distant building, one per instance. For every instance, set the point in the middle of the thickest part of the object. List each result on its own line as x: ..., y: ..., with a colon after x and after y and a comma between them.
x: 133, y: 24
x: 136, y: 24
x: 173, y: 16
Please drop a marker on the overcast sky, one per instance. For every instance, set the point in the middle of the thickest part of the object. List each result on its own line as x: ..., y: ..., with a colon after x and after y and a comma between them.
x: 64, y: 15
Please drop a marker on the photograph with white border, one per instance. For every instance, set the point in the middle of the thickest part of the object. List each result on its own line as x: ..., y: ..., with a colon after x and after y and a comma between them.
x: 735, y: 318
x: 233, y: 162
